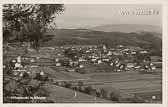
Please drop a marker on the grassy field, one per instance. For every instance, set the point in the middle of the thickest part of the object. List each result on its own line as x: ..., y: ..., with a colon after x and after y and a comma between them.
x: 143, y: 85
x: 128, y: 83
x: 64, y: 95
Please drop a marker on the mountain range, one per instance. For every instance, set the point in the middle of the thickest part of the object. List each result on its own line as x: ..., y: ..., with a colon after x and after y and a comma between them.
x: 127, y: 28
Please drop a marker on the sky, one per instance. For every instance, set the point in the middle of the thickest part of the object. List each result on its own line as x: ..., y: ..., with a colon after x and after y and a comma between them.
x: 91, y: 15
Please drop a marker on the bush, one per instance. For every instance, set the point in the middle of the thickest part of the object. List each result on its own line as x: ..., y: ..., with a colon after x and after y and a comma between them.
x: 74, y: 88
x: 82, y: 88
x: 41, y: 77
x: 80, y: 83
x: 68, y: 85
x: 98, y: 94
x: 114, y: 96
x: 103, y: 93
x: 88, y: 90
x: 137, y: 99
x: 93, y: 92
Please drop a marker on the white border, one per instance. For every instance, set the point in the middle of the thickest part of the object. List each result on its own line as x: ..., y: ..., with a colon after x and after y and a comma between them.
x: 164, y: 4
x: 85, y: 1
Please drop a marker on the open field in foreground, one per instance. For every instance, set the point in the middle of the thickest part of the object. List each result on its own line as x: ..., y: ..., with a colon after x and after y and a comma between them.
x: 64, y: 95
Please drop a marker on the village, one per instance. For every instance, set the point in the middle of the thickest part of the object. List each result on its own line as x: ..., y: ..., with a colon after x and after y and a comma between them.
x: 71, y: 67
x: 77, y: 58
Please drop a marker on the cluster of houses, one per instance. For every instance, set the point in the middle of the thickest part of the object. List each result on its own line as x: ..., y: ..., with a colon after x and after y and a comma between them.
x: 120, y: 58
x: 18, y: 68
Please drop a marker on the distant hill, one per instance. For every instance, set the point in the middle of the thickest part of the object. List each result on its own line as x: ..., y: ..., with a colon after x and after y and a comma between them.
x: 127, y: 28
x: 90, y: 37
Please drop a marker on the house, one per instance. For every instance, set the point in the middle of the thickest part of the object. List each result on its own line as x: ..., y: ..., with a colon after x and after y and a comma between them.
x: 126, y: 50
x: 58, y: 64
x: 116, y: 53
x: 71, y: 63
x: 120, y: 46
x: 130, y: 65
x: 71, y: 70
x: 41, y: 73
x: 13, y: 61
x: 99, y: 61
x: 121, y: 66
x: 111, y: 64
x: 133, y: 53
x: 116, y: 61
x: 81, y: 66
x: 109, y: 53
x: 118, y: 70
x: 153, y: 67
x: 106, y: 60
x: 151, y: 64
x: 34, y: 66
x: 143, y: 52
x: 56, y: 59
x: 81, y: 60
x: 18, y: 65
x: 37, y: 57
x: 93, y: 60
x: 137, y: 67
x: 104, y: 47
x: 59, y: 54
x: 19, y: 59
x: 146, y: 67
x: 118, y: 64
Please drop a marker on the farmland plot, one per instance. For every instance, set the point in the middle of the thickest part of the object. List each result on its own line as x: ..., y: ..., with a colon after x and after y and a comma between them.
x: 64, y: 95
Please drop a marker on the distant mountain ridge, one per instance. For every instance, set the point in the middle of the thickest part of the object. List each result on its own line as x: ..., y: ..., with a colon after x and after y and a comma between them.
x: 81, y: 36
x: 127, y: 28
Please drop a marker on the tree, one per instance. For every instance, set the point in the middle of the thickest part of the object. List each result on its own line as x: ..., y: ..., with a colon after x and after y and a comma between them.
x: 103, y: 93
x: 80, y: 83
x: 68, y: 84
x: 88, y: 90
x: 28, y: 22
x: 114, y: 96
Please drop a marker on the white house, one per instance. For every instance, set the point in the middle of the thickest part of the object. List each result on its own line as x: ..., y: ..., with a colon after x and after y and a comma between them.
x: 41, y: 73
x: 18, y: 65
x: 58, y: 64
x: 109, y: 53
x: 112, y: 64
x: 81, y: 66
x: 107, y: 60
x: 99, y: 61
x: 137, y: 67
x: 133, y: 53
x: 32, y: 60
x: 130, y: 65
x: 19, y: 59
x: 37, y: 57
x: 56, y: 59
x: 153, y: 68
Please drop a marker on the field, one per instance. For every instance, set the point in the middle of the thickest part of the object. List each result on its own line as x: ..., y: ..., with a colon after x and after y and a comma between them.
x: 143, y: 85
x: 64, y: 95
x: 128, y: 83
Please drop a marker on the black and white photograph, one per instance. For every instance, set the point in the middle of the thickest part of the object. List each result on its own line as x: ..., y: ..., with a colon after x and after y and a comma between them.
x: 82, y: 53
